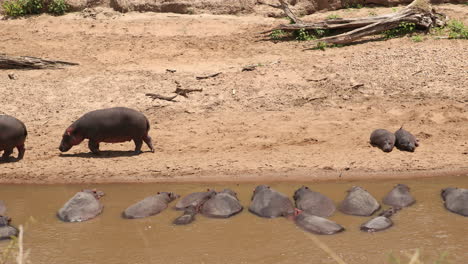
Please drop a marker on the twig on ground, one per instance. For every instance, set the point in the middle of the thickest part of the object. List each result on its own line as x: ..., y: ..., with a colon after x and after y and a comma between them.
x: 161, y: 97
x: 208, y: 76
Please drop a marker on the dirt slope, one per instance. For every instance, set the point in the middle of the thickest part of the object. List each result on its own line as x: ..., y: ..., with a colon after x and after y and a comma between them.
x: 301, y: 114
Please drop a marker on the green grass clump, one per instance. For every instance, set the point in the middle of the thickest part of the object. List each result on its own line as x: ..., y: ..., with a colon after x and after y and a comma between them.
x: 333, y: 16
x: 17, y: 8
x: 417, y: 38
x: 303, y: 35
x: 457, y: 30
x: 58, y: 7
x: 278, y: 34
x: 403, y: 29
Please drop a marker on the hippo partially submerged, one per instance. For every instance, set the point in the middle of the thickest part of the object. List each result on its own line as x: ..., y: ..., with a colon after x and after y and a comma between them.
x: 83, y: 206
x: 13, y: 134
x: 317, y: 224
x: 405, y: 141
x: 399, y: 196
x: 150, y: 205
x: 380, y: 222
x: 456, y: 200
x: 223, y: 204
x: 359, y: 202
x: 191, y: 204
x: 118, y: 124
x: 6, y: 230
x: 383, y: 139
x: 2, y: 208
x: 269, y: 203
x: 313, y: 202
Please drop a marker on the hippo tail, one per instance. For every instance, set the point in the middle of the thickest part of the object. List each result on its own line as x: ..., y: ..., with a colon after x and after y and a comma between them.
x: 147, y: 125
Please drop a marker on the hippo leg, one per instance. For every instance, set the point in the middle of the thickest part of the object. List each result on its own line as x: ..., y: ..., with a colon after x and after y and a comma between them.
x: 94, y: 146
x: 149, y: 142
x: 6, y: 154
x: 21, y: 151
x: 138, y: 144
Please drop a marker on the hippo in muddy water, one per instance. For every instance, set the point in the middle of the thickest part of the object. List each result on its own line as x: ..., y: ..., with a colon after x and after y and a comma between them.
x: 6, y: 230
x: 456, y: 200
x: 399, y: 196
x: 191, y: 204
x: 383, y: 139
x: 223, y: 204
x: 405, y: 141
x: 83, y: 206
x: 150, y: 205
x: 359, y: 202
x: 313, y: 202
x: 13, y: 134
x: 118, y: 124
x: 2, y: 208
x: 269, y: 203
x: 381, y: 222
x: 316, y: 224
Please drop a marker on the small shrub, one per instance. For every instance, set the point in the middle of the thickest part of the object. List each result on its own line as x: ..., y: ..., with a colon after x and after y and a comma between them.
x: 457, y: 30
x: 58, y: 7
x: 333, y: 16
x: 33, y: 6
x: 403, y: 29
x: 278, y: 34
x: 372, y: 13
x: 321, y: 45
x: 394, y: 9
x: 303, y: 35
x: 417, y: 38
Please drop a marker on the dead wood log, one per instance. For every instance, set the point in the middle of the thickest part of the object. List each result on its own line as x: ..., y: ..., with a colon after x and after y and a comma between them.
x: 161, y: 97
x: 184, y: 92
x: 10, y: 62
x: 418, y: 12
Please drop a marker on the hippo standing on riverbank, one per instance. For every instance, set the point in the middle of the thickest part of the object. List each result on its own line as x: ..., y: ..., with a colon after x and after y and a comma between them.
x: 316, y: 224
x: 150, y: 205
x: 118, y: 124
x: 191, y: 204
x: 399, y: 196
x: 313, y: 202
x: 13, y: 134
x: 83, y: 206
x: 456, y: 200
x: 359, y: 202
x: 405, y: 141
x: 269, y: 203
x: 383, y: 139
x: 222, y: 205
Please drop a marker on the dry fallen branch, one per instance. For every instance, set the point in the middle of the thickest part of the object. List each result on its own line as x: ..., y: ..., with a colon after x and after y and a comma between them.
x: 161, y: 97
x: 184, y: 92
x: 10, y: 62
x: 208, y: 76
x: 418, y: 12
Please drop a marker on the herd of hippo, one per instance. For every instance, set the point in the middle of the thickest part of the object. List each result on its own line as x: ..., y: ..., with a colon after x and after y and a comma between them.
x: 120, y: 124
x: 310, y: 211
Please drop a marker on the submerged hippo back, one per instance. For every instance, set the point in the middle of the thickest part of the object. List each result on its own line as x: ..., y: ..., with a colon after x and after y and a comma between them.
x: 221, y: 205
x: 456, y: 200
x: 317, y: 224
x: 149, y: 206
x: 269, y: 203
x: 359, y: 202
x: 81, y: 207
x: 399, y: 197
x: 313, y: 202
x: 378, y: 223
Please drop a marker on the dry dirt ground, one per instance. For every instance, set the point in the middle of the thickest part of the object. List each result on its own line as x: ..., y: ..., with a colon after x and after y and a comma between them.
x: 301, y: 114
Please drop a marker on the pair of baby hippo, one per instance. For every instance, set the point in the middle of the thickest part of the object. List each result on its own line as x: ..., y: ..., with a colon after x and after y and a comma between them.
x: 386, y: 140
x: 310, y: 210
x: 118, y: 124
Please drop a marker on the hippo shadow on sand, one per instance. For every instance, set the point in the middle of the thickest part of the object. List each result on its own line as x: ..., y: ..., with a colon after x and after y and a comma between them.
x: 103, y: 154
x: 9, y: 160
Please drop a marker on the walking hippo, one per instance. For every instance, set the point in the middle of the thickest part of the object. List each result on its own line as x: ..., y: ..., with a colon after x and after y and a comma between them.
x: 6, y: 230
x: 150, y: 205
x: 223, y: 204
x: 118, y: 124
x: 383, y: 139
x: 191, y: 204
x: 313, y: 202
x: 359, y: 202
x: 399, y: 196
x: 13, y: 134
x: 83, y: 206
x: 316, y: 224
x: 269, y: 203
x: 405, y: 141
x: 456, y: 200
x: 380, y: 222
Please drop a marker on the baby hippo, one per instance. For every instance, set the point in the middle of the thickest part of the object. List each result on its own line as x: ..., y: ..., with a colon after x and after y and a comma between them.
x: 316, y: 224
x: 222, y: 205
x: 83, y: 206
x: 151, y: 205
x: 383, y: 139
x: 118, y: 124
x: 405, y: 141
x: 191, y: 204
x: 456, y: 200
x: 359, y: 202
x: 269, y: 203
x: 380, y: 222
x: 6, y: 230
x: 12, y: 135
x: 313, y: 202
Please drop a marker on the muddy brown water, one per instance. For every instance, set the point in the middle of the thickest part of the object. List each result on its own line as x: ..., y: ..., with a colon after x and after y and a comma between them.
x: 244, y: 238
